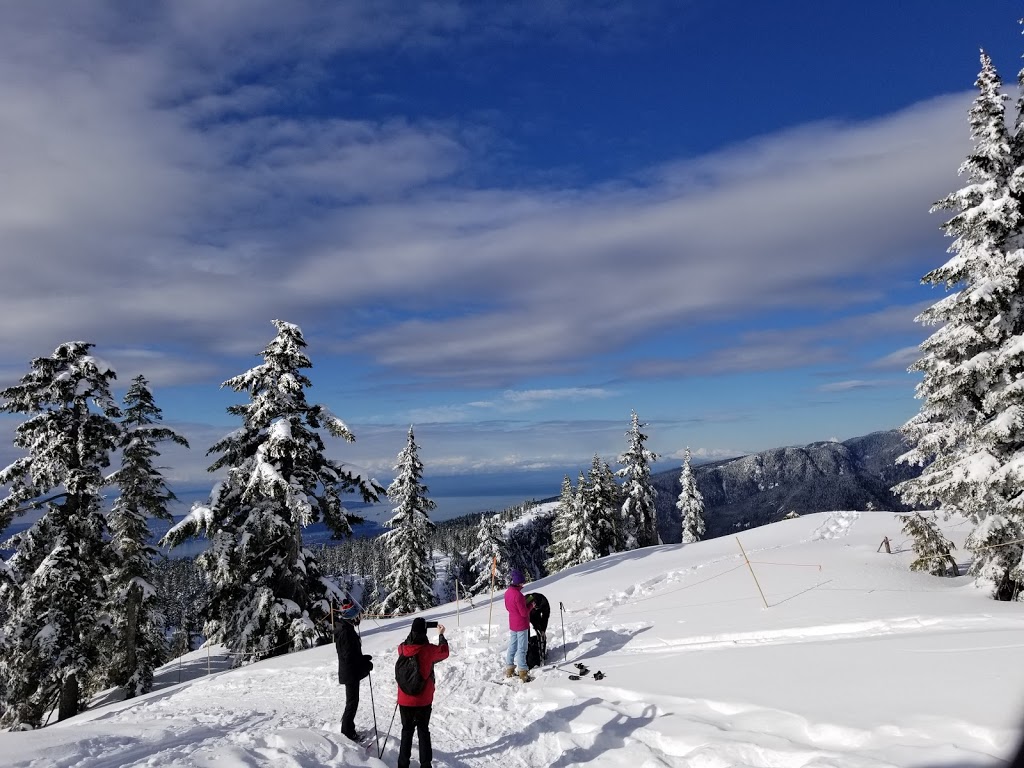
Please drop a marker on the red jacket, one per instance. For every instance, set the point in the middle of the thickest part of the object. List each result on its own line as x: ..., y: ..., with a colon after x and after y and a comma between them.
x: 518, y: 610
x: 427, y: 655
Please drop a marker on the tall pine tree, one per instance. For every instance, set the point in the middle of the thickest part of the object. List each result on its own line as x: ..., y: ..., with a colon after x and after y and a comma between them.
x: 52, y: 588
x: 968, y: 433
x: 137, y: 644
x: 603, y: 497
x: 411, y: 580
x: 267, y: 593
x: 581, y: 544
x: 558, y: 552
x: 639, y: 516
x: 690, y: 504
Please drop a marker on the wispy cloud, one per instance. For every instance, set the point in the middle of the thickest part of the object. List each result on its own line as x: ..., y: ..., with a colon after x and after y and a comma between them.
x: 532, y: 396
x: 901, y: 359
x: 706, y: 454
x: 846, y: 386
x: 510, y: 402
x: 774, y: 349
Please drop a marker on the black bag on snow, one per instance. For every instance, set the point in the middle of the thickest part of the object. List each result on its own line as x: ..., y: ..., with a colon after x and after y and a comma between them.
x: 533, y: 652
x: 407, y: 675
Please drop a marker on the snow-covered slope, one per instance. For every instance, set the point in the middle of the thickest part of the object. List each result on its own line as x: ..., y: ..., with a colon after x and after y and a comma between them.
x: 855, y: 662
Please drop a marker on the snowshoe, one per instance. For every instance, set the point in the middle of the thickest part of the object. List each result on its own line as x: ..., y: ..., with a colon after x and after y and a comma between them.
x: 599, y: 675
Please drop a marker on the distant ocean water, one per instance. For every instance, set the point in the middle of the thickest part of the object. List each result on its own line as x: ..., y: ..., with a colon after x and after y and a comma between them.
x: 374, y: 515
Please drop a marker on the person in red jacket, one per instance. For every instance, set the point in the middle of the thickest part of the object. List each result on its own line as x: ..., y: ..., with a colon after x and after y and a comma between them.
x: 518, y: 627
x: 416, y: 709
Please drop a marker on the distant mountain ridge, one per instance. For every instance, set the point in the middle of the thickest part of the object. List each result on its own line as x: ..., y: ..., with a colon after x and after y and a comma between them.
x: 764, y: 487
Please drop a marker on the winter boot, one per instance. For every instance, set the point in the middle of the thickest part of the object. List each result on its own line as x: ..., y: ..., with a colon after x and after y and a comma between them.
x: 510, y: 671
x: 524, y: 675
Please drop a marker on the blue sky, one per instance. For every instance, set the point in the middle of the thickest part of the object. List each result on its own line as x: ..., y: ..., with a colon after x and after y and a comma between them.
x: 508, y: 223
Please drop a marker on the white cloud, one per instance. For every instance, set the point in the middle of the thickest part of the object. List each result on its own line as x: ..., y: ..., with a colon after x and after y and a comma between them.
x: 846, y: 386
x: 901, y: 359
x: 706, y: 454
x: 547, y: 395
x: 510, y: 402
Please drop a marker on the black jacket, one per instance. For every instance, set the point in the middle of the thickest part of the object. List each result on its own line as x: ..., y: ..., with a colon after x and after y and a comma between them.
x: 540, y: 610
x: 353, y: 664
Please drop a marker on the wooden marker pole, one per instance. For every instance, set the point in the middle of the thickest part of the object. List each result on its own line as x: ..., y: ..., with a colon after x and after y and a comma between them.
x: 491, y: 608
x: 747, y: 559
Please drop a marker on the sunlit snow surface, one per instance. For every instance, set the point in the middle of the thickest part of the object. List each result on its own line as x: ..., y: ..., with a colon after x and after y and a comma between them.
x: 858, y: 663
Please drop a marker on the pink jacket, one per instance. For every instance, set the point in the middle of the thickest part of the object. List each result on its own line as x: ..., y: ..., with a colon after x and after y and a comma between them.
x: 518, y: 610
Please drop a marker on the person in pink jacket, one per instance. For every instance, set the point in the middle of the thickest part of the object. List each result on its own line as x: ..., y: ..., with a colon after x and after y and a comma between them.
x: 518, y: 627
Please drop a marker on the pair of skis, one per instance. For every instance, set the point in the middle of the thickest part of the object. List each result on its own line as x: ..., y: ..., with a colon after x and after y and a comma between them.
x: 582, y: 670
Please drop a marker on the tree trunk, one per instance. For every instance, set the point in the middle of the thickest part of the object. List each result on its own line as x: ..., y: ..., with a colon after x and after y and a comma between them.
x: 131, y: 632
x: 68, y: 706
x: 952, y: 564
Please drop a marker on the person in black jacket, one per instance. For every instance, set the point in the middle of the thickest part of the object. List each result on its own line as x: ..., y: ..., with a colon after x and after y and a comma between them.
x: 353, y: 664
x: 540, y: 611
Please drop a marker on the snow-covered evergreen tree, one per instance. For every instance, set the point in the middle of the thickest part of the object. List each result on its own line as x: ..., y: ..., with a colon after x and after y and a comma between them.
x: 52, y: 588
x: 690, y: 504
x: 580, y: 542
x: 969, y: 433
x: 137, y: 645
x: 558, y: 551
x: 997, y: 548
x: 267, y: 593
x: 601, y: 494
x: 411, y: 580
x: 490, y: 546
x: 639, y: 516
x: 379, y: 569
x: 933, y: 550
x: 528, y: 536
x: 183, y: 593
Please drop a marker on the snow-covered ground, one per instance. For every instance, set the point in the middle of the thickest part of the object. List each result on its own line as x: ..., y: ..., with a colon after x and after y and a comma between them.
x: 855, y: 662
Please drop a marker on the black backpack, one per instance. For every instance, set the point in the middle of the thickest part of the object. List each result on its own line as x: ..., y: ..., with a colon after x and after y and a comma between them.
x: 533, y: 652
x: 407, y: 675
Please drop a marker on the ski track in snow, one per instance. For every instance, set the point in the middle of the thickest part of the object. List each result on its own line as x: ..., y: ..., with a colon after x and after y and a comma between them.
x: 835, y: 525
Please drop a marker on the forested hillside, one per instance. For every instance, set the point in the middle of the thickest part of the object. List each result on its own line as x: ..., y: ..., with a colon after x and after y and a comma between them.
x: 764, y: 487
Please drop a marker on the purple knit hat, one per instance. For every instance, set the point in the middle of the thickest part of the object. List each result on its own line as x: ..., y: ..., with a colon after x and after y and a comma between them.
x: 516, y: 578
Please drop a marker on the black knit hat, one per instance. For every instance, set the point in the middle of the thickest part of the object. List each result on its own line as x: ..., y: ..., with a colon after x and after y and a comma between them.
x: 419, y: 626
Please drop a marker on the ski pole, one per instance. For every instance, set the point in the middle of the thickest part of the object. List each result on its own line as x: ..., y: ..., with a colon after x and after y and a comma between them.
x: 381, y: 752
x: 373, y: 707
x: 561, y: 608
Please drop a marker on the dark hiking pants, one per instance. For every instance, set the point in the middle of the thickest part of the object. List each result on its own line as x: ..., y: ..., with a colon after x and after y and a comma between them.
x: 348, y: 719
x: 415, y: 719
